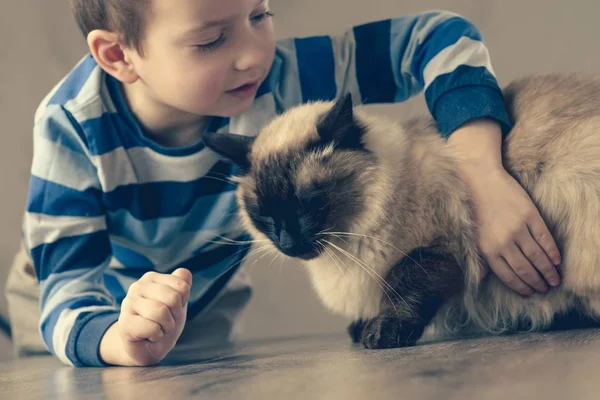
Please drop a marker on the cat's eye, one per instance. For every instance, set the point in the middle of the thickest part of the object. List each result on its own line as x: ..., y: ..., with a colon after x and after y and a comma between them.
x: 264, y: 223
x: 313, y: 192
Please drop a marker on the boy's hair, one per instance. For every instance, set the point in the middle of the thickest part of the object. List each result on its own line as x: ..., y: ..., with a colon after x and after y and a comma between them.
x: 124, y: 17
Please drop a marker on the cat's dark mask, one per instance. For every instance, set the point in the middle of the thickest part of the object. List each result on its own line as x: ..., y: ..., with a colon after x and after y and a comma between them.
x: 294, y: 212
x: 338, y: 126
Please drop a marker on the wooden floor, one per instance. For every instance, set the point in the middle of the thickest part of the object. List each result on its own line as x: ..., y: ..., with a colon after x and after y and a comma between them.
x: 557, y: 365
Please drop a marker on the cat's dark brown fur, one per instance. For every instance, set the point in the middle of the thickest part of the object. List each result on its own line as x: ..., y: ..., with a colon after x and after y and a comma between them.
x: 422, y: 282
x: 359, y: 197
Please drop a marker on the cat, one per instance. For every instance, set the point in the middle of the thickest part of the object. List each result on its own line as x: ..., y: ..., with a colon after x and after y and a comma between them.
x: 384, y: 223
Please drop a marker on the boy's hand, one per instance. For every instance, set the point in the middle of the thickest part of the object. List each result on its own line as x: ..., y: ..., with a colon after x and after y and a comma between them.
x: 512, y: 235
x: 152, y: 318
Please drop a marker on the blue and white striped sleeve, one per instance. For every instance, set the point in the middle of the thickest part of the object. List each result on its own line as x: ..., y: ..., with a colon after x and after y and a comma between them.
x: 65, y: 233
x: 440, y: 53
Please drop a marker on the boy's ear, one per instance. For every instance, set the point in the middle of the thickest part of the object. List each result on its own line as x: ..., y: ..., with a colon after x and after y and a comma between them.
x: 111, y: 55
x: 231, y: 146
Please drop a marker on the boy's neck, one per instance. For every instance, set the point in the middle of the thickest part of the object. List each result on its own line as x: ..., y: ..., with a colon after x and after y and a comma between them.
x: 165, y: 125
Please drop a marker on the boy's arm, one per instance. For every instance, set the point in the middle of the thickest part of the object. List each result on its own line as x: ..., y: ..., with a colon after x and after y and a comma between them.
x: 441, y: 54
x: 438, y: 53
x: 65, y: 232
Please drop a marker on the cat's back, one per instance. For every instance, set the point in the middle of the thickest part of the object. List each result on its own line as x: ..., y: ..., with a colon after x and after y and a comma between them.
x: 556, y: 126
x: 554, y: 152
x: 571, y: 93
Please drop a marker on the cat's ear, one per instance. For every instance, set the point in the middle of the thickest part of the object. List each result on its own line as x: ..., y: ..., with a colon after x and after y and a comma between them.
x: 231, y: 146
x: 340, y: 126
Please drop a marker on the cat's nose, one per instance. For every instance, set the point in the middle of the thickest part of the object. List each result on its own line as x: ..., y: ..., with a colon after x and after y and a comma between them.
x: 287, y: 241
x: 295, y: 246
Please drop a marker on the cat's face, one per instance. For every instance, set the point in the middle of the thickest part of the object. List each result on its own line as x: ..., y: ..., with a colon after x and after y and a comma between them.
x: 303, y: 176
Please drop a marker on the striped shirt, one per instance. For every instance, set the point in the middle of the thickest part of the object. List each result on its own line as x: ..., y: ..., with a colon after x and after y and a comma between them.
x: 106, y: 204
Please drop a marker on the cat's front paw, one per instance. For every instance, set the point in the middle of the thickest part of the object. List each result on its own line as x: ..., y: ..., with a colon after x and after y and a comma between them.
x: 386, y: 332
x: 355, y: 330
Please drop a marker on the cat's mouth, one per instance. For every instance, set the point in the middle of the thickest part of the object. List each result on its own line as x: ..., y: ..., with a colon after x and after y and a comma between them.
x: 303, y: 251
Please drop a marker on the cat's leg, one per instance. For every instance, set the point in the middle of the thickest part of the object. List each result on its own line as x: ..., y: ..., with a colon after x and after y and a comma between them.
x: 421, y: 283
x: 588, y: 312
x: 355, y: 330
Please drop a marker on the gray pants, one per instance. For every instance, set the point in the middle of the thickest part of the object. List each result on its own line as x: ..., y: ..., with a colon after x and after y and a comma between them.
x: 216, y: 326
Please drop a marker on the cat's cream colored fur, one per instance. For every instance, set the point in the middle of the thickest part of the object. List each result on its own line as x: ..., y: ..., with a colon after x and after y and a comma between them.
x: 415, y: 196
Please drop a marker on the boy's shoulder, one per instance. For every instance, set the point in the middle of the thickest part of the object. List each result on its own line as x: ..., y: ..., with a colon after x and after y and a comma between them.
x: 82, y: 93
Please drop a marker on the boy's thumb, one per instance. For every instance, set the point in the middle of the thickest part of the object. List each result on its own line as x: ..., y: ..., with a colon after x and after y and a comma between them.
x: 183, y: 273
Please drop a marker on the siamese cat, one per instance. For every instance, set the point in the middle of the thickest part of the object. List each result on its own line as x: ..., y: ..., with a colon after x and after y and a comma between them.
x: 382, y: 220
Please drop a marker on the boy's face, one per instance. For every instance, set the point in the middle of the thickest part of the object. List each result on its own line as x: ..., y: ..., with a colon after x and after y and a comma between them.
x: 206, y: 57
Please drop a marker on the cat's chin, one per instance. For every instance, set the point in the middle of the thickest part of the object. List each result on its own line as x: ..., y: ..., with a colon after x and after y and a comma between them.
x: 300, y: 254
x: 305, y: 252
x: 309, y: 257
x: 305, y: 256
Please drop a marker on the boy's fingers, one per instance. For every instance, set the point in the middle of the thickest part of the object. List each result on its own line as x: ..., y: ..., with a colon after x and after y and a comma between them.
x: 174, y: 281
x: 540, y: 233
x: 524, y: 269
x: 154, y: 311
x: 539, y: 259
x: 163, y: 293
x: 503, y: 270
x: 136, y: 328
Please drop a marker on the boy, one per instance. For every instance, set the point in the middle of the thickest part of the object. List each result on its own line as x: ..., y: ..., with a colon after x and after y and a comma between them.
x: 126, y: 207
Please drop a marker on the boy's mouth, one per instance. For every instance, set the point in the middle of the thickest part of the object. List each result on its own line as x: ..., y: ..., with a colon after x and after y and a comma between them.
x: 246, y: 90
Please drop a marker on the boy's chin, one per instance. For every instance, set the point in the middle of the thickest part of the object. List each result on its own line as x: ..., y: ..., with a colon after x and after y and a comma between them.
x: 236, y: 109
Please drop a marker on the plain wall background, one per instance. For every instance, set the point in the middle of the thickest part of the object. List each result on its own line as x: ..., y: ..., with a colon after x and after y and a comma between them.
x: 40, y: 44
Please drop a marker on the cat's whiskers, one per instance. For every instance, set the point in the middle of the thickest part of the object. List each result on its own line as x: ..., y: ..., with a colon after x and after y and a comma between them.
x: 374, y: 275
x: 276, y: 255
x: 340, y: 260
x: 324, y: 247
x: 233, y: 210
x: 364, y: 265
x: 279, y: 255
x: 331, y: 227
x: 234, y: 242
x: 225, y: 176
x: 328, y: 229
x: 346, y: 242
x: 242, y: 259
x: 260, y: 249
x: 336, y: 234
x: 218, y: 179
x: 261, y: 252
x: 338, y: 237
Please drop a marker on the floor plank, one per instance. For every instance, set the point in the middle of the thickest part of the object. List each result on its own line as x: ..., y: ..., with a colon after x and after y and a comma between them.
x: 550, y: 366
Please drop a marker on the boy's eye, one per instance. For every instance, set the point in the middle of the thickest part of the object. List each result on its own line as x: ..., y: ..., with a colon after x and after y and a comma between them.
x: 221, y: 39
x: 212, y: 45
x: 262, y: 16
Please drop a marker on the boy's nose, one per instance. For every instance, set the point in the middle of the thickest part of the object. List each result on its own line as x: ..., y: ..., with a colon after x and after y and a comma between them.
x: 250, y: 55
